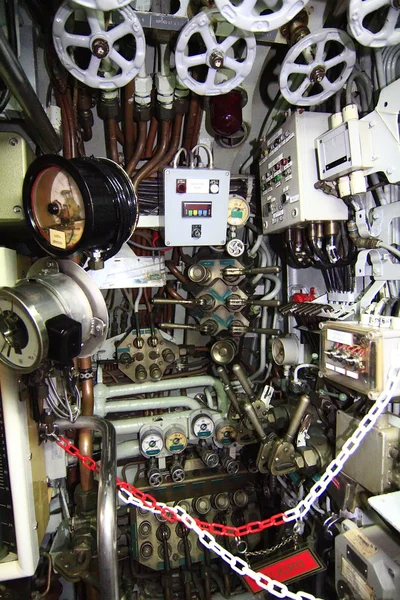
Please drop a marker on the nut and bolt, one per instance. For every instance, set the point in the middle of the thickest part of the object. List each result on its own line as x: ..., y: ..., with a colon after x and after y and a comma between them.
x: 317, y: 74
x: 100, y: 48
x: 217, y: 59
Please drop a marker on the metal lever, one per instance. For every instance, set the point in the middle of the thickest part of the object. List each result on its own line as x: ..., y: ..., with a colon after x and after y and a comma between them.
x: 297, y: 418
x: 228, y: 389
x: 244, y: 382
x: 237, y: 271
x: 206, y: 302
x: 247, y: 406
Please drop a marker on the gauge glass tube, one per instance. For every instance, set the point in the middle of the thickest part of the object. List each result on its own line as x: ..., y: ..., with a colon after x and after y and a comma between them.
x: 58, y: 208
x: 238, y: 211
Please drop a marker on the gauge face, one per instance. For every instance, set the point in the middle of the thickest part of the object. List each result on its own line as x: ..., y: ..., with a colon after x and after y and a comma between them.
x: 238, y: 211
x: 175, y: 441
x: 203, y: 426
x: 152, y: 443
x: 226, y: 434
x: 58, y: 208
x: 278, y: 351
x: 20, y: 347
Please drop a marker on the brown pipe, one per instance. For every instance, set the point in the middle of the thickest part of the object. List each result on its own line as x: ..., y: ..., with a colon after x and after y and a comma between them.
x: 190, y: 121
x: 174, y: 294
x: 120, y: 135
x: 67, y: 138
x: 152, y: 165
x: 112, y: 139
x: 128, y: 117
x: 175, y: 271
x: 71, y: 121
x: 140, y: 146
x: 151, y: 138
x: 175, y: 140
x: 85, y: 435
x: 196, y: 129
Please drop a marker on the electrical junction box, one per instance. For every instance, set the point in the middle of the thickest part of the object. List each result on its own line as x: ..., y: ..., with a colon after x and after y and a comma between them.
x: 358, y: 357
x: 196, y: 206
x: 367, y: 563
x: 345, y: 149
x: 288, y: 172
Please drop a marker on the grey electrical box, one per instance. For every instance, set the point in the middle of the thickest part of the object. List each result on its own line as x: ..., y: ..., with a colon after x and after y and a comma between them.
x: 196, y: 206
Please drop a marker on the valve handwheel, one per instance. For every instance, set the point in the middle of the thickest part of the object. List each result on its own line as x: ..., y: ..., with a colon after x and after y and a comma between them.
x: 364, y: 14
x: 227, y: 65
x: 317, y: 67
x: 250, y: 14
x: 105, y: 58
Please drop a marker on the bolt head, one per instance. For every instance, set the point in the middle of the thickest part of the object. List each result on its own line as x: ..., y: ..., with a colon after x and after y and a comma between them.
x: 100, y: 48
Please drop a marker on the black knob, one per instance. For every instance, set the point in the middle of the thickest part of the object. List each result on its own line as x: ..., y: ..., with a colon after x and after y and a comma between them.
x: 53, y: 208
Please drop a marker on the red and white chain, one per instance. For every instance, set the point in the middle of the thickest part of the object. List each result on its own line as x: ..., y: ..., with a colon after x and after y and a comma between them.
x: 130, y: 495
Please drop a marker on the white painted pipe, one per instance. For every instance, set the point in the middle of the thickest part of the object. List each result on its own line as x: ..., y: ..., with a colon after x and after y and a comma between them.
x: 128, y: 449
x: 133, y: 425
x: 102, y: 408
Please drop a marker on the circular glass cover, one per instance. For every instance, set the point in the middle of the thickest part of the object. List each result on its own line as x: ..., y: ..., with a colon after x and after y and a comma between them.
x: 58, y: 208
x: 238, y: 211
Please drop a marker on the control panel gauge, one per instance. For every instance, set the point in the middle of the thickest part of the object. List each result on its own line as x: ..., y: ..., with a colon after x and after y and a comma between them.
x: 151, y: 441
x: 79, y: 205
x: 175, y: 439
x: 203, y: 426
x: 225, y: 433
x: 238, y: 211
x: 286, y: 351
x: 20, y: 342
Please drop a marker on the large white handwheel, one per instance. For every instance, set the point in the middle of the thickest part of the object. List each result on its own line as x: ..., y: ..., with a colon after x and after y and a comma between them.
x: 104, y: 5
x: 107, y: 68
x: 314, y: 69
x: 388, y: 34
x: 248, y: 15
x: 225, y: 71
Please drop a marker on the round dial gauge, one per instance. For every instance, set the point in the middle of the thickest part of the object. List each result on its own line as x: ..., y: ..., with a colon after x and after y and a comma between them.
x: 203, y: 426
x: 151, y: 443
x: 82, y: 204
x: 238, y: 211
x: 58, y: 208
x: 285, y: 351
x: 21, y: 343
x: 226, y: 434
x: 175, y: 440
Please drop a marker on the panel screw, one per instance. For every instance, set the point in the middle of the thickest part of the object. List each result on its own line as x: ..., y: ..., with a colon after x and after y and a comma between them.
x: 13, y: 141
x: 17, y: 209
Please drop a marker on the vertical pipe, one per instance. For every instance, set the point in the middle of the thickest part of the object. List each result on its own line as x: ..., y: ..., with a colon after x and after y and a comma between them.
x: 85, y: 435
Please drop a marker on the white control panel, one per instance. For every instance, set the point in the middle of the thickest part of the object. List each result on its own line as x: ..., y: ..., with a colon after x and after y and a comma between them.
x: 288, y: 173
x: 196, y: 206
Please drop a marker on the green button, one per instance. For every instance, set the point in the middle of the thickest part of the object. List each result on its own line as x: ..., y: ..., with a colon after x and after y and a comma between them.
x: 190, y: 213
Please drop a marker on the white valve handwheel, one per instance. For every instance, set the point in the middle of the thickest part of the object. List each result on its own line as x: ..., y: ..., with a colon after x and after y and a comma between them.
x: 104, y: 5
x: 107, y: 68
x: 312, y: 64
x: 218, y: 56
x: 389, y: 33
x: 248, y: 15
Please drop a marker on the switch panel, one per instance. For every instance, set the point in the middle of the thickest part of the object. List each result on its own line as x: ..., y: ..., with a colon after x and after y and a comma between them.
x: 288, y: 172
x: 196, y: 206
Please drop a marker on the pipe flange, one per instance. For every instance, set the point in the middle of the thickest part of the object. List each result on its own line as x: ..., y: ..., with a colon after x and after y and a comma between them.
x: 322, y: 67
x: 226, y: 67
x: 96, y: 58
x: 389, y: 32
x: 249, y: 14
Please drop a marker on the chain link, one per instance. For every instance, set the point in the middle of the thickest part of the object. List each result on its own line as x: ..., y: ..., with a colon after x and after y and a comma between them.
x: 267, y: 551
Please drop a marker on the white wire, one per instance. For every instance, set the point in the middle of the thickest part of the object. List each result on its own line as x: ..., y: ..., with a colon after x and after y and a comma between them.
x: 138, y: 299
x: 391, y: 249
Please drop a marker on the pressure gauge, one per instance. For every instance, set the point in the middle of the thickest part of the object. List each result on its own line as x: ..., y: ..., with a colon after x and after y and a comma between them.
x: 202, y: 426
x: 151, y: 441
x: 57, y: 313
x: 238, y: 211
x: 225, y: 433
x: 83, y: 204
x: 286, y: 351
x: 175, y: 439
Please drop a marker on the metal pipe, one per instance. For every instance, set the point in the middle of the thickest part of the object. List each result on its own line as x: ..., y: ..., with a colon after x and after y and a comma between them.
x: 140, y: 146
x: 134, y: 424
x: 244, y: 382
x: 85, y: 435
x: 228, y: 389
x: 35, y: 116
x: 117, y: 391
x: 152, y: 165
x: 131, y: 405
x: 107, y: 504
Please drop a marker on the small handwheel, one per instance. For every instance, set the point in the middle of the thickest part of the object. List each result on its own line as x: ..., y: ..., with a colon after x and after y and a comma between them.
x: 375, y: 23
x: 104, y: 5
x: 105, y: 56
x: 260, y: 15
x: 222, y: 60
x: 317, y: 67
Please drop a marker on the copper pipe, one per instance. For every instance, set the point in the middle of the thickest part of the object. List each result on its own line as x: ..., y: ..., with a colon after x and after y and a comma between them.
x: 140, y: 146
x: 67, y: 138
x: 152, y: 165
x: 71, y: 121
x: 175, y: 271
x: 112, y: 139
x: 85, y: 435
x: 151, y: 138
x: 196, y: 129
x: 174, y: 294
x: 190, y: 122
x: 128, y: 118
x: 175, y: 140
x: 120, y: 135
x: 146, y: 299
